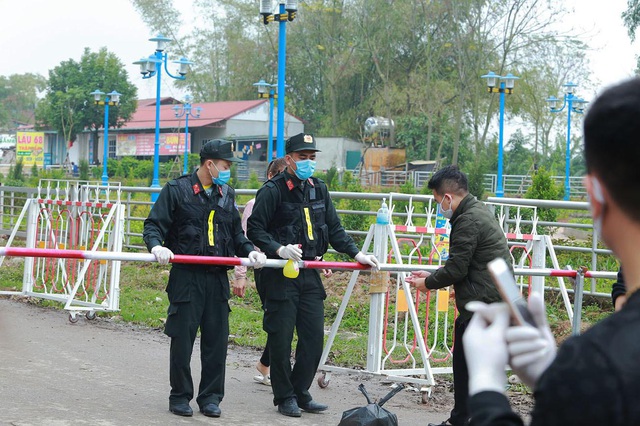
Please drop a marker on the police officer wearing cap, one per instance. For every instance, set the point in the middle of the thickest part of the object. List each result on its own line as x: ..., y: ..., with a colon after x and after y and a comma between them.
x: 294, y: 218
x: 196, y: 215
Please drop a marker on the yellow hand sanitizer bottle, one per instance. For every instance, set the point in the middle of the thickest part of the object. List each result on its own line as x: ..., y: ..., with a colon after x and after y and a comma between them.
x: 291, y: 269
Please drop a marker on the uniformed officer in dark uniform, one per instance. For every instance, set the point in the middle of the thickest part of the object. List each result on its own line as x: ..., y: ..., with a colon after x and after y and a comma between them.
x: 196, y: 215
x: 294, y: 218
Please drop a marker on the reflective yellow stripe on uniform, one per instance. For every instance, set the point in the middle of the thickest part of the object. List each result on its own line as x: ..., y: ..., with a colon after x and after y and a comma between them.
x: 307, y: 216
x: 210, y: 227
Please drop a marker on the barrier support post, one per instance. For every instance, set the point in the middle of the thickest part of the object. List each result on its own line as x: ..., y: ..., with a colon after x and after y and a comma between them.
x: 577, y: 309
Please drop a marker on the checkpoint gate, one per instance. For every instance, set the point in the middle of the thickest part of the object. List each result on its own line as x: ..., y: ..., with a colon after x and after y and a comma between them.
x: 73, y: 215
x: 393, y: 350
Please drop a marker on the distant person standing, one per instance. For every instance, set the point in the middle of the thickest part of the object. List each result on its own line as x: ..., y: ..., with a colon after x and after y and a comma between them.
x: 196, y: 215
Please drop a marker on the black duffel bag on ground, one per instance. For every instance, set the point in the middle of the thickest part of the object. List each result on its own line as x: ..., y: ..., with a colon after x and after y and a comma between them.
x: 373, y: 414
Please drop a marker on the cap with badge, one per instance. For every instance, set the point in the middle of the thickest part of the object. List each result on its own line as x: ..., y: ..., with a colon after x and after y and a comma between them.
x: 218, y: 149
x: 301, y: 142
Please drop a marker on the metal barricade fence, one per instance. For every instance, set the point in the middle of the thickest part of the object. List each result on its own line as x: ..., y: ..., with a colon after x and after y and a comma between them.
x: 72, y: 215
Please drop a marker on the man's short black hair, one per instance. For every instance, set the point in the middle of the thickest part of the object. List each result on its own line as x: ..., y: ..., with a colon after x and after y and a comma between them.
x: 449, y: 179
x: 612, y: 144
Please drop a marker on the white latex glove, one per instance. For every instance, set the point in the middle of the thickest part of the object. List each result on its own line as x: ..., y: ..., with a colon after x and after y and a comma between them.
x: 258, y: 259
x: 368, y: 259
x: 290, y: 251
x: 485, y: 347
x: 531, y: 349
x: 162, y: 254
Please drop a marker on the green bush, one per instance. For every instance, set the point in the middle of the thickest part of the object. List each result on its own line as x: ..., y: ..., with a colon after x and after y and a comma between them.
x: 34, y: 170
x: 544, y: 188
x: 254, y: 183
x: 15, y: 173
x: 84, y: 170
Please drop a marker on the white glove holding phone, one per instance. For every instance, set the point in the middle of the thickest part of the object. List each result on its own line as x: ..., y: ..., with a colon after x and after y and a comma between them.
x: 485, y: 346
x: 531, y: 349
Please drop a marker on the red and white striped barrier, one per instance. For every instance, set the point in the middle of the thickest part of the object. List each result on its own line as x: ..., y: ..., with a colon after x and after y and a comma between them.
x: 271, y: 263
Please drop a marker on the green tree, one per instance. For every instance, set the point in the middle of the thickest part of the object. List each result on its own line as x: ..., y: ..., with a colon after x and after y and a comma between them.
x: 517, y: 157
x: 18, y: 98
x: 68, y: 107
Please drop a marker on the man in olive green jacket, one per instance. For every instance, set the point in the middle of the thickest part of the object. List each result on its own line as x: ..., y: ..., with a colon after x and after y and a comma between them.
x: 475, y: 239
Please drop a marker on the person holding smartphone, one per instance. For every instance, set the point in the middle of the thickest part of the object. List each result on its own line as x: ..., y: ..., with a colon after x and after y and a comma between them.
x: 594, y: 378
x: 476, y: 238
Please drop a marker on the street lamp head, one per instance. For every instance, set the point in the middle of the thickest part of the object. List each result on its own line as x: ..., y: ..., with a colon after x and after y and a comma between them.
x: 262, y: 86
x: 553, y: 102
x: 184, y: 66
x: 198, y: 111
x: 114, y: 97
x: 266, y: 10
x: 492, y: 79
x: 266, y: 7
x: 291, y: 6
x: 161, y: 41
x: 97, y: 94
x: 143, y: 66
x: 579, y: 104
x: 187, y: 99
x: 570, y: 88
x: 176, y: 110
x: 510, y: 80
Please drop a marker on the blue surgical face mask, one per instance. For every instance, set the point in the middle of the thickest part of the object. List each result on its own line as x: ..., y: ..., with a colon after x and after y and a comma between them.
x: 305, y: 169
x: 223, y: 176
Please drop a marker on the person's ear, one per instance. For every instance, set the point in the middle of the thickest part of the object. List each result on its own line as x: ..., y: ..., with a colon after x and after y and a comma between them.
x: 595, y: 192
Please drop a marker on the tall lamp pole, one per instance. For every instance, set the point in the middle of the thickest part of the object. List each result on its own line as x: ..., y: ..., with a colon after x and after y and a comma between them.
x: 150, y: 67
x: 111, y: 99
x: 287, y: 13
x: 186, y: 110
x: 573, y: 104
x: 262, y: 93
x: 506, y: 86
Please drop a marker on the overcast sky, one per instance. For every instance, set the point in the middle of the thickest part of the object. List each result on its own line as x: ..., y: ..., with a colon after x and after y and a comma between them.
x: 38, y: 34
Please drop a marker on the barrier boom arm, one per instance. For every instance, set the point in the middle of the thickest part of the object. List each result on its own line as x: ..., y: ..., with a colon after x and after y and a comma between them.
x: 271, y: 263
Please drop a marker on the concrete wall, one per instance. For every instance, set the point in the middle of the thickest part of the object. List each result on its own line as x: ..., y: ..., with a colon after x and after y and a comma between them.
x: 334, y: 152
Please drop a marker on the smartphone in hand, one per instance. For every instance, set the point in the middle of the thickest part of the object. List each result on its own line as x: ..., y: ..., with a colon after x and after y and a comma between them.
x: 510, y: 292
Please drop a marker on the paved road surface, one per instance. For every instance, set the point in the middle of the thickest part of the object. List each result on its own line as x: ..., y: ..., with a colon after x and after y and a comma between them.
x: 101, y: 373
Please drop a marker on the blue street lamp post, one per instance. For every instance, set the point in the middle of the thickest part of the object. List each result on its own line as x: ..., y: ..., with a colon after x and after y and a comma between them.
x: 506, y: 86
x: 262, y: 93
x: 573, y: 104
x: 186, y: 110
x: 150, y: 67
x: 287, y: 13
x: 112, y: 99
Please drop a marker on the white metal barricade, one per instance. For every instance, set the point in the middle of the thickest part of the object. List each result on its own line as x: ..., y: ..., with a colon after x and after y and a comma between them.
x: 73, y: 215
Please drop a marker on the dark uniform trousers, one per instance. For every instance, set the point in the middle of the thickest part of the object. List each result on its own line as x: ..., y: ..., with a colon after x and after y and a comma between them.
x: 460, y: 411
x: 198, y: 297
x: 300, y: 305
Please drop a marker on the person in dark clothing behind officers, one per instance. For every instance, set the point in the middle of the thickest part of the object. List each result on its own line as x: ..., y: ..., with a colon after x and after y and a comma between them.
x: 196, y: 215
x: 294, y: 218
x: 476, y: 238
x: 594, y: 378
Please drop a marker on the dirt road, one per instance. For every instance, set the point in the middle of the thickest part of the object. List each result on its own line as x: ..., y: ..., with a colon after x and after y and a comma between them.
x: 105, y: 373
